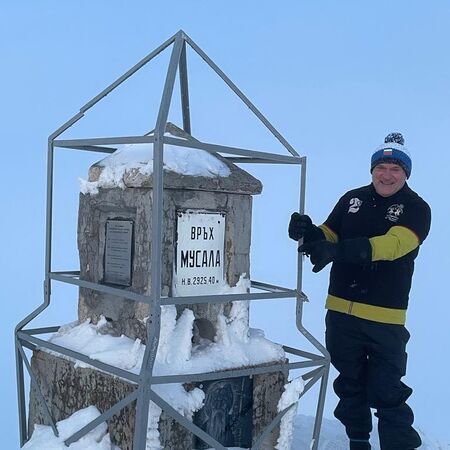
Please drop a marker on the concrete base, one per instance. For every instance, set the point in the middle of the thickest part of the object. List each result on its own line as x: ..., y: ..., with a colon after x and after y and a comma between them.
x: 68, y: 389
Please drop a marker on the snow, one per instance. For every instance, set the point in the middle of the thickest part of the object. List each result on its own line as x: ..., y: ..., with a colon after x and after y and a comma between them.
x: 97, y: 439
x: 139, y: 158
x: 332, y: 435
x: 235, y: 345
x: 290, y: 396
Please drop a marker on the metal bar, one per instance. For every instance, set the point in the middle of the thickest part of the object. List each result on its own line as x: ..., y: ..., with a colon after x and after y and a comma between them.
x: 312, y: 373
x: 311, y: 382
x: 72, y: 143
x: 232, y: 373
x: 269, y: 287
x: 184, y: 88
x: 241, y: 95
x: 23, y: 431
x: 300, y: 256
x: 31, y: 316
x: 185, y: 422
x: 67, y: 272
x: 101, y: 418
x: 47, y: 286
x: 300, y: 295
x: 212, y: 148
x: 243, y: 160
x: 154, y: 320
x: 79, y: 356
x: 65, y: 126
x: 92, y: 148
x: 28, y: 345
x: 49, y: 219
x: 41, y: 398
x: 301, y: 353
x: 320, y: 408
x: 313, y: 341
x: 163, y: 112
x: 276, y: 420
x: 101, y: 288
x: 41, y: 330
x: 231, y: 150
x: 70, y: 278
x: 224, y: 298
x: 167, y: 379
x: 128, y: 74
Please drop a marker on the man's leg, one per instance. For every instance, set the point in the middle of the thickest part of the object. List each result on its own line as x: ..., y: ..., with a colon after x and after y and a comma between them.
x: 349, y: 357
x: 386, y: 393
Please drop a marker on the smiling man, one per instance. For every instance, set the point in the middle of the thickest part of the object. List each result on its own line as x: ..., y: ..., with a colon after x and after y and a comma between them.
x: 372, y: 237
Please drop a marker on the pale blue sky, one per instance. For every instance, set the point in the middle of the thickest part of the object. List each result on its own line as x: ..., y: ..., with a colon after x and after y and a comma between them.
x: 333, y: 77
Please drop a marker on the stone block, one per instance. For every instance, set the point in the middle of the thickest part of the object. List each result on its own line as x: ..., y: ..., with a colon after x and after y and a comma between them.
x: 68, y: 389
x: 134, y: 204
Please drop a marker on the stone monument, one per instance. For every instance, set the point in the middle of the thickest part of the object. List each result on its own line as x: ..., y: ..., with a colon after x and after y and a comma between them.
x: 206, y: 249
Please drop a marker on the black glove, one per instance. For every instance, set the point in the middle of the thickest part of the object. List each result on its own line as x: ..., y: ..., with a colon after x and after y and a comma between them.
x: 356, y: 251
x: 301, y: 226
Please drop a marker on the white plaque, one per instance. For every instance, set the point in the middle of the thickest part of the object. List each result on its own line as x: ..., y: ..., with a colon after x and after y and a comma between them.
x: 200, y: 253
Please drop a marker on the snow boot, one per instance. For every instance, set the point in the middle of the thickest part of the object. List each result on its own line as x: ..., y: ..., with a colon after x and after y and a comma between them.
x: 359, y: 444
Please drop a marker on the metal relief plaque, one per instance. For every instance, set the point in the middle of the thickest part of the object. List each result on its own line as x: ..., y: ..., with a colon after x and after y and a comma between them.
x: 118, y: 246
x: 227, y: 414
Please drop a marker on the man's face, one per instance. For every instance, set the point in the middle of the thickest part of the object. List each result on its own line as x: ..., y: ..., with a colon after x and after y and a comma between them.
x: 388, y: 178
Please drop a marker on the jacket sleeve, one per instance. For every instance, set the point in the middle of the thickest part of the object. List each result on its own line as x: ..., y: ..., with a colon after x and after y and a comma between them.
x: 332, y: 225
x: 406, y: 235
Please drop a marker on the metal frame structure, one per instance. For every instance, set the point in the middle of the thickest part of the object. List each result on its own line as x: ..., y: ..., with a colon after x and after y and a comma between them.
x: 28, y: 338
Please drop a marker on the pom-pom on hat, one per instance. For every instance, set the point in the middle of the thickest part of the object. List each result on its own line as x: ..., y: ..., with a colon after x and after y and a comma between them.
x: 393, y: 151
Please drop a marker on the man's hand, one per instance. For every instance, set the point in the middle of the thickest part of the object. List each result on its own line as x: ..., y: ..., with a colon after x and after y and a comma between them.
x: 299, y: 225
x: 321, y: 253
x: 353, y: 251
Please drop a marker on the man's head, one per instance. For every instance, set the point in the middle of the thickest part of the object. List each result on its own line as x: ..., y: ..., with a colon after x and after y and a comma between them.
x: 390, y: 165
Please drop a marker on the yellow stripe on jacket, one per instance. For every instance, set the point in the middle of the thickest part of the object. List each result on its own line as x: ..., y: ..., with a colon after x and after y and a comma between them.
x: 330, y: 235
x: 397, y: 242
x: 364, y: 311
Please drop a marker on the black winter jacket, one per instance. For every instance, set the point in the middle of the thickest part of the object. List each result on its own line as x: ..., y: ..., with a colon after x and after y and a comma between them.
x: 363, y: 213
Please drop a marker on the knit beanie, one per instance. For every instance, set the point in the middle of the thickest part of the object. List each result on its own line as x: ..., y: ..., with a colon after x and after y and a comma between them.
x: 393, y: 151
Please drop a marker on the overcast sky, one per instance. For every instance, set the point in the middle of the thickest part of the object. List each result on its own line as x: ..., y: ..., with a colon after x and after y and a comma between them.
x: 333, y: 77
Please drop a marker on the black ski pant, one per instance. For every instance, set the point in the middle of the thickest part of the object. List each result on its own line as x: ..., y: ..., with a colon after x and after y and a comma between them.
x: 371, y: 360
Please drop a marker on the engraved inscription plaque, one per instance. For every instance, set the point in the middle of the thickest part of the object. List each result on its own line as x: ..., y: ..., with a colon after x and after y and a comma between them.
x: 200, y: 252
x: 118, y: 247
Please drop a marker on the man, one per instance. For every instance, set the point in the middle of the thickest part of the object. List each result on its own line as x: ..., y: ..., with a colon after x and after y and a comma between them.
x: 372, y: 237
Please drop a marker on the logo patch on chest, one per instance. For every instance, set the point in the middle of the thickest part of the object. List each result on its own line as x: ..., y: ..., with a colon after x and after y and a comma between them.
x: 355, y: 203
x: 394, y: 212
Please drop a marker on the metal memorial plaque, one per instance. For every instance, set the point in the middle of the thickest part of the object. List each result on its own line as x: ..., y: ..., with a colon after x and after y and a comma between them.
x: 227, y: 414
x: 119, y: 234
x: 199, y: 267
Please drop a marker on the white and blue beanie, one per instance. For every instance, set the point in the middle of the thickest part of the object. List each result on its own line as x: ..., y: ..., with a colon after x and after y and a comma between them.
x: 393, y: 151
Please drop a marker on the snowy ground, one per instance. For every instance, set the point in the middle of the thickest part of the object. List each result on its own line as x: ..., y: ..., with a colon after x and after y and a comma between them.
x: 44, y: 439
x: 332, y: 437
